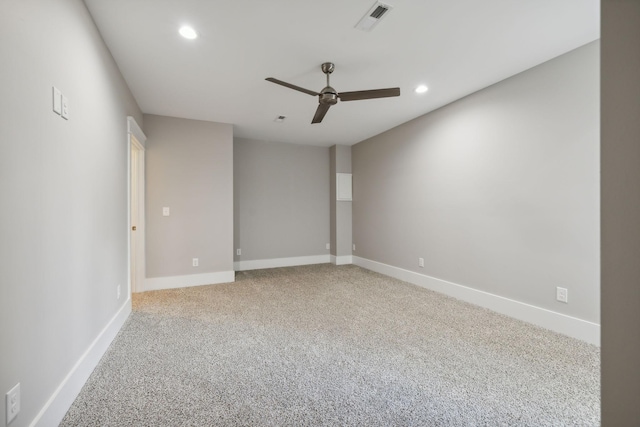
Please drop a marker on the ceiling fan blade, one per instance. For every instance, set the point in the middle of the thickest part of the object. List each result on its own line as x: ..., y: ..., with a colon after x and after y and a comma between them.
x: 320, y: 112
x: 369, y: 94
x: 290, y: 86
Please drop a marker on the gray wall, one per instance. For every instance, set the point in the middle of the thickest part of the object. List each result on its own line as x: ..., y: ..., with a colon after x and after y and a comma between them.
x: 620, y: 111
x: 341, y: 211
x: 63, y: 222
x: 498, y: 191
x: 189, y: 168
x: 281, y: 193
x: 332, y: 200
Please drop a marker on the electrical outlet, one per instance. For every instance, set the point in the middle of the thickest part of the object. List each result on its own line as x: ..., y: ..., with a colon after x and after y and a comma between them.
x: 420, y: 262
x: 354, y: 246
x: 562, y: 294
x: 118, y: 291
x: 166, y: 211
x: 195, y: 262
x: 328, y: 246
x: 238, y: 252
x: 13, y: 403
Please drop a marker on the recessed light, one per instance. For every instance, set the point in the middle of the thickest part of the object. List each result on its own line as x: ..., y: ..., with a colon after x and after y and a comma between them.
x: 421, y: 89
x: 188, y: 33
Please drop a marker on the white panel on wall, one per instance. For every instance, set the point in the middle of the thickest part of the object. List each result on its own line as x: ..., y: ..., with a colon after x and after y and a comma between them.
x: 343, y: 184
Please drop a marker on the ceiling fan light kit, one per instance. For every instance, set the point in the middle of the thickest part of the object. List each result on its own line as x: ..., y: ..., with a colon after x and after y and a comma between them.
x: 329, y: 96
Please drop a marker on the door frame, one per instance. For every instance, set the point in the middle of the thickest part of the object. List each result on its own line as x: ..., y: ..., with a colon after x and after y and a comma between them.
x: 136, y: 140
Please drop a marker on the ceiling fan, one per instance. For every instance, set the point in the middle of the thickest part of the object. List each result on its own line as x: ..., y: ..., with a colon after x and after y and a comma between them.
x: 328, y: 96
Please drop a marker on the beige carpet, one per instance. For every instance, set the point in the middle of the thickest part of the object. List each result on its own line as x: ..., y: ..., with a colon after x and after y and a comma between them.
x: 333, y: 346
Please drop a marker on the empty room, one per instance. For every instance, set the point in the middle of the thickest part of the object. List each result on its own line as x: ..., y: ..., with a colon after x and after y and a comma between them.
x: 294, y: 213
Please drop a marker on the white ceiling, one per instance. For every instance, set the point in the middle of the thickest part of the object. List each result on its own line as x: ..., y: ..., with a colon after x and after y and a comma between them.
x: 455, y: 47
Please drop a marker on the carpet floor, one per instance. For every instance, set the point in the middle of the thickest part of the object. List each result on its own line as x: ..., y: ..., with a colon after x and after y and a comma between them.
x: 333, y: 346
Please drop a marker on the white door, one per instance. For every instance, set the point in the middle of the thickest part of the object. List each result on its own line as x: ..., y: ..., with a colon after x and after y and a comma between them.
x: 136, y: 239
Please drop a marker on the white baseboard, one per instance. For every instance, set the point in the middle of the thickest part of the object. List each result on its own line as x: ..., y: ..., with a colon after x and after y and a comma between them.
x: 61, y: 400
x: 341, y: 260
x: 173, y: 282
x: 561, y: 323
x: 259, y: 264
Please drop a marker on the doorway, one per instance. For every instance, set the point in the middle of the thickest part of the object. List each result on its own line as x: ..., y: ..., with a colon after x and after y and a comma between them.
x: 137, y: 140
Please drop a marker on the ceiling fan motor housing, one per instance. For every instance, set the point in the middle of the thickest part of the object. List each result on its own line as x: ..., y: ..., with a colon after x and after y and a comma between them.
x: 328, y: 96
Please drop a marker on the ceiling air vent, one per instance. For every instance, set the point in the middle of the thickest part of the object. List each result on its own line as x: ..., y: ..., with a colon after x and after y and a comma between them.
x: 373, y: 16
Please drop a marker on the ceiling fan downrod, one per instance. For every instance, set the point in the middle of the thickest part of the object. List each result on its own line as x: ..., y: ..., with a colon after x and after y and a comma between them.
x: 328, y: 95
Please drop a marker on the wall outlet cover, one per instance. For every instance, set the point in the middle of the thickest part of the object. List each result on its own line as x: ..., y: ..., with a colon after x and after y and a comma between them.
x: 562, y: 294
x: 13, y: 403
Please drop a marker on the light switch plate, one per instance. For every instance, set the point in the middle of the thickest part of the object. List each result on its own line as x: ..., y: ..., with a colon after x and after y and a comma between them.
x: 166, y: 211
x: 65, y: 108
x: 57, y: 100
